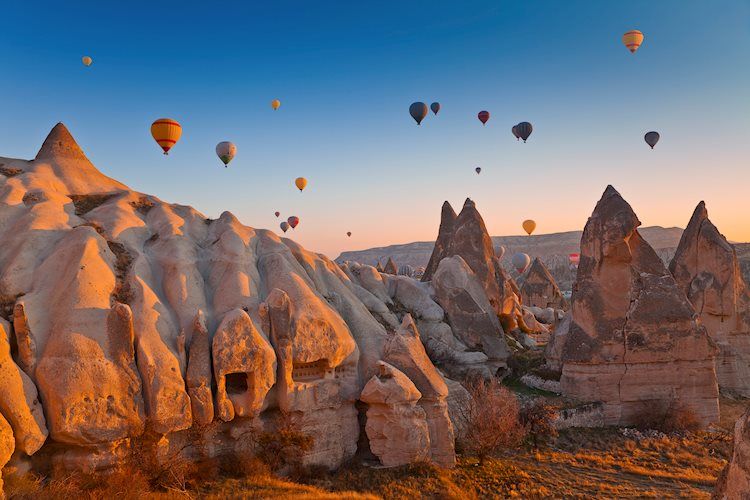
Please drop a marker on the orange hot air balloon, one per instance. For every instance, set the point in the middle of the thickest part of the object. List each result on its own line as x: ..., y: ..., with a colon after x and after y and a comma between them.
x: 166, y: 132
x: 301, y: 183
x: 528, y: 226
x: 483, y: 116
x: 275, y: 104
x: 293, y: 221
x: 632, y: 40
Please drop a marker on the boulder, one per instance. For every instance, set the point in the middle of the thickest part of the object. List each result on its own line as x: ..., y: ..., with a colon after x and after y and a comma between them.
x: 634, y: 342
x: 706, y: 268
x: 734, y: 481
x: 396, y: 426
x: 540, y: 289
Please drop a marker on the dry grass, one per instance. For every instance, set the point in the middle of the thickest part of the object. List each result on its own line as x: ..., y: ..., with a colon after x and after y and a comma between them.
x: 84, y: 203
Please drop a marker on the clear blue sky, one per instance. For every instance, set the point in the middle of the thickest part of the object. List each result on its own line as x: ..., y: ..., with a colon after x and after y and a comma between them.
x: 346, y: 73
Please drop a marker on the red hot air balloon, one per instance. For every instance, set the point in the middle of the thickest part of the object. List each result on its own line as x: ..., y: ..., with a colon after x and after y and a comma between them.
x: 349, y: 234
x: 293, y: 221
x: 515, y: 132
x: 418, y: 110
x: 574, y: 259
x: 483, y: 116
x: 277, y: 213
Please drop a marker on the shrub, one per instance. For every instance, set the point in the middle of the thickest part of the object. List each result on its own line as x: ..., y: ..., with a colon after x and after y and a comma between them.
x: 538, y: 420
x: 671, y: 417
x: 284, y: 447
x: 489, y: 419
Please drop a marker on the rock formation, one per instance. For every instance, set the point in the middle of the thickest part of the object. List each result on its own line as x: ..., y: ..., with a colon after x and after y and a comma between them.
x: 136, y: 319
x: 734, y: 481
x: 705, y: 266
x: 396, y: 427
x: 634, y: 342
x: 390, y: 267
x: 539, y: 288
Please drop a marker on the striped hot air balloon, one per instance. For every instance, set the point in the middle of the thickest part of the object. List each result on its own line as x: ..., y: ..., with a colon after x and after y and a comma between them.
x: 166, y: 132
x: 293, y: 221
x: 632, y: 40
x: 524, y: 130
x: 284, y: 226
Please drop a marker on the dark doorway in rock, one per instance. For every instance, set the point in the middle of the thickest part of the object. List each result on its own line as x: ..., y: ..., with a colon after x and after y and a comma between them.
x: 236, y: 383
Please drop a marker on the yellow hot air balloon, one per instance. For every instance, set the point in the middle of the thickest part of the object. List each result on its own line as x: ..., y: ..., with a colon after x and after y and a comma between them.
x: 87, y: 60
x: 275, y: 104
x: 301, y: 183
x: 632, y: 40
x: 166, y: 132
x: 529, y: 226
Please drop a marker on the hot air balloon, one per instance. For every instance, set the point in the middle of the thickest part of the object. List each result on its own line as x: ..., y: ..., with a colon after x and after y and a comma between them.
x: 166, y: 132
x: 632, y: 40
x: 293, y: 221
x: 435, y: 107
x: 515, y: 132
x: 418, y: 110
x: 499, y: 252
x: 226, y: 151
x: 651, y: 138
x: 483, y: 116
x: 521, y: 262
x: 528, y: 226
x: 478, y: 170
x: 301, y: 183
x: 284, y: 226
x: 277, y: 213
x: 86, y: 60
x: 574, y: 259
x: 524, y: 130
x: 349, y: 234
x: 275, y: 104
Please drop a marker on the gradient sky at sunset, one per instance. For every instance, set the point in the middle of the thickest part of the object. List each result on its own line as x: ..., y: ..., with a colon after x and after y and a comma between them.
x: 346, y: 73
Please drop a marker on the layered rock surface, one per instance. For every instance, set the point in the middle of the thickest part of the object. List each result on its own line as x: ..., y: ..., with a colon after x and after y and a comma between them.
x: 539, y: 288
x: 634, y: 342
x: 734, y: 482
x: 705, y: 266
x: 135, y: 318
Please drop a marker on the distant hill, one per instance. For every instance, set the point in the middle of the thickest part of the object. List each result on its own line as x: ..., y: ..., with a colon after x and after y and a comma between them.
x: 552, y: 248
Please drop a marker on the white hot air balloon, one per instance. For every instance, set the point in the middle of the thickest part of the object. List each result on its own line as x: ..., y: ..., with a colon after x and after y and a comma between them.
x: 225, y: 151
x: 499, y: 252
x: 521, y: 262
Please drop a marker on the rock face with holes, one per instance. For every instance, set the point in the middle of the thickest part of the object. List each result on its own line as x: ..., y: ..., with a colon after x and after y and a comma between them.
x: 705, y: 266
x: 634, y: 342
x: 136, y: 320
x: 396, y: 426
x: 734, y: 481
x: 539, y: 288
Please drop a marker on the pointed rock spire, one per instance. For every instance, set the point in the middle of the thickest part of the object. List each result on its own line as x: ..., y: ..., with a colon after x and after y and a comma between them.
x: 445, y: 233
x: 60, y: 144
x: 390, y: 267
x: 540, y: 288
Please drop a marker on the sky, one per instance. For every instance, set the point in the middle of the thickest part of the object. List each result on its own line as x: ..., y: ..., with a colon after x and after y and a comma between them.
x: 346, y: 73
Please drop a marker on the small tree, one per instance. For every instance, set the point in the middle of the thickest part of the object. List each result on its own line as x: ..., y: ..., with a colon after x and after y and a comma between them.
x: 284, y: 447
x: 538, y: 419
x: 489, y: 419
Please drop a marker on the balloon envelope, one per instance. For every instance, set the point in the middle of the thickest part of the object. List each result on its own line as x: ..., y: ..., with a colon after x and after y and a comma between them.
x: 435, y: 107
x: 524, y: 130
x: 651, y: 138
x: 277, y: 213
x: 478, y: 170
x: 418, y: 110
x: 301, y: 183
x: 86, y: 60
x: 284, y: 226
x: 483, y: 116
x: 166, y: 132
x: 632, y: 40
x: 225, y: 151
x: 349, y: 233
x: 500, y: 251
x: 520, y: 261
x: 574, y: 258
x: 293, y: 221
x: 528, y: 226
x: 275, y: 104
x: 515, y: 132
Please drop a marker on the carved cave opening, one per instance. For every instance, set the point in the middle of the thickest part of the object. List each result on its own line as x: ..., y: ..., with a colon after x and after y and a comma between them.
x: 236, y: 383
